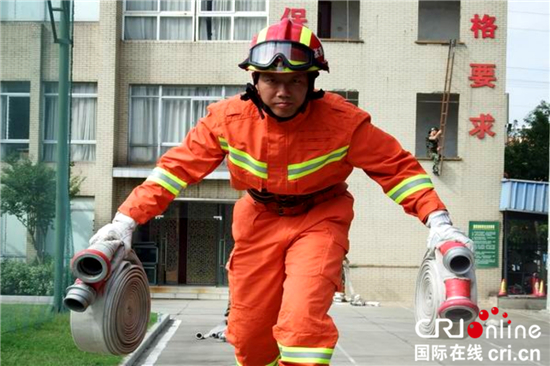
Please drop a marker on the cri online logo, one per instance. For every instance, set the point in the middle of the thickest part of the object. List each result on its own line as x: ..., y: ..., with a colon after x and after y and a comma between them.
x: 475, y: 329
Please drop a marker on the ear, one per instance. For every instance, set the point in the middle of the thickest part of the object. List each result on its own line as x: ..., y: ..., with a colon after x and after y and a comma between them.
x: 255, y: 77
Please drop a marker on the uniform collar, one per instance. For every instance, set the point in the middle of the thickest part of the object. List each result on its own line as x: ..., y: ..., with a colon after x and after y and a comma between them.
x: 293, y: 122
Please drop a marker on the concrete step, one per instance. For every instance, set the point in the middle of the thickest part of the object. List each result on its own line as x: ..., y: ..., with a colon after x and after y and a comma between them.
x: 189, y: 292
x: 522, y: 302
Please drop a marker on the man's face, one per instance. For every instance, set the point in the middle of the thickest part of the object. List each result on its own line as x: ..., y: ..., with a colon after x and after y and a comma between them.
x: 283, y: 93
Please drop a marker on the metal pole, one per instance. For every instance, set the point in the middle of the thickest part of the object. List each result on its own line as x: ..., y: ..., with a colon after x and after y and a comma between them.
x: 62, y: 174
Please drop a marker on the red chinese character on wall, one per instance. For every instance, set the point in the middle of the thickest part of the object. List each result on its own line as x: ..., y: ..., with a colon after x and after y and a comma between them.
x: 297, y: 15
x: 486, y: 25
x: 482, y: 75
x: 482, y: 125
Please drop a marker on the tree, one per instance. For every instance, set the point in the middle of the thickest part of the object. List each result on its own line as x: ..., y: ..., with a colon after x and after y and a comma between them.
x: 526, y: 152
x: 28, y: 193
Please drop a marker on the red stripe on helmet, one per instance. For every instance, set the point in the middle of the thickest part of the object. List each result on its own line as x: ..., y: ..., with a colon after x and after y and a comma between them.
x: 273, y: 33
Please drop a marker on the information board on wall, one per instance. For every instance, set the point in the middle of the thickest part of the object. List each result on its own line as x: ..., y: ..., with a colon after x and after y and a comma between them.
x: 485, y: 235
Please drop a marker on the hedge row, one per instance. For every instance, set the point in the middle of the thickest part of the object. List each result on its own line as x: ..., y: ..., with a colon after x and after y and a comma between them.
x: 20, y: 278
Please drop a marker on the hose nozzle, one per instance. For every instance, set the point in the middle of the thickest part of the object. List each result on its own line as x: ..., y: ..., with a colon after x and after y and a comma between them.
x: 457, y: 258
x: 458, y: 304
x: 79, y: 297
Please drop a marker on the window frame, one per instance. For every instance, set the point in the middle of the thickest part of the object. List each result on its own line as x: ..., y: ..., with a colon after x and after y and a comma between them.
x: 437, y: 41
x: 160, y: 98
x: 345, y: 93
x: 8, y: 95
x: 196, y: 13
x: 43, y: 15
x: 73, y: 96
x: 158, y: 14
x: 334, y: 39
x: 454, y: 100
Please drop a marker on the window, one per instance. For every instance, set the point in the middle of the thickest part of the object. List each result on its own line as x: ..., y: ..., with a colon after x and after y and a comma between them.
x: 338, y: 19
x: 37, y: 10
x: 15, y: 101
x: 438, y: 20
x: 83, y: 121
x: 13, y: 237
x: 428, y: 115
x: 189, y: 20
x: 161, y: 116
x: 351, y: 96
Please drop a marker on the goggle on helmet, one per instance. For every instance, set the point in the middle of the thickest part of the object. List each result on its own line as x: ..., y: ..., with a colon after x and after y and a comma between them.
x: 285, y: 47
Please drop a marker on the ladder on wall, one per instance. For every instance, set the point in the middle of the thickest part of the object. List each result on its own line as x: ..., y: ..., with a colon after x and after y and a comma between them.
x: 445, y: 101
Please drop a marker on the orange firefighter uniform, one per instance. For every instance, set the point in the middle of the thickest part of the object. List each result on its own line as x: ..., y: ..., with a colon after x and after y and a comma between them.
x: 286, y: 264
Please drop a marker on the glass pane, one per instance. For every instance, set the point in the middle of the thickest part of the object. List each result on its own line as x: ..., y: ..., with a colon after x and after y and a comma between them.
x: 136, y: 28
x: 10, y: 149
x: 208, y: 91
x: 246, y: 28
x: 176, y: 119
x: 16, y: 87
x: 178, y: 91
x: 49, y: 152
x: 18, y: 119
x: 3, y: 115
x: 50, y: 117
x: 143, y: 129
x: 87, y: 10
x: 214, y: 29
x: 143, y: 90
x: 216, y: 5
x: 176, y: 29
x: 199, y: 109
x: 84, y: 88
x: 141, y: 5
x: 233, y: 90
x: 51, y: 88
x: 175, y: 5
x: 83, y: 121
x: 82, y: 152
x: 249, y: 5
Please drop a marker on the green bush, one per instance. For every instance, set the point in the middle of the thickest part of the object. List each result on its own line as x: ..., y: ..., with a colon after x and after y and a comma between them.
x: 20, y: 278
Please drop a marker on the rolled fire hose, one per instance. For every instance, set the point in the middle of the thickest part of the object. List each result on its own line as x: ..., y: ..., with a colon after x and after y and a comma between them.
x: 446, y: 288
x: 110, y: 301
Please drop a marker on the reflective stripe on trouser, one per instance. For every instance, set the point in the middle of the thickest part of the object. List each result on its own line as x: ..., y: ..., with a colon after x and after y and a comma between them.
x: 283, y: 273
x: 306, y: 355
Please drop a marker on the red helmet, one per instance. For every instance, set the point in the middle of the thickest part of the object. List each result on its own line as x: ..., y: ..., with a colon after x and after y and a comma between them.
x: 285, y: 47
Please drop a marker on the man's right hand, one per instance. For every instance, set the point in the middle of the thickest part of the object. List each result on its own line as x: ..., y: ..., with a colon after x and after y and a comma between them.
x: 121, y: 228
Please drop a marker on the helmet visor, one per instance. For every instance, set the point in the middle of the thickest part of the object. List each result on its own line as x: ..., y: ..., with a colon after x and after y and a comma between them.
x: 295, y: 56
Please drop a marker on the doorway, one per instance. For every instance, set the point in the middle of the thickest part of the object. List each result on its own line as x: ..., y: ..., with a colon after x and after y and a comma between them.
x: 188, y: 245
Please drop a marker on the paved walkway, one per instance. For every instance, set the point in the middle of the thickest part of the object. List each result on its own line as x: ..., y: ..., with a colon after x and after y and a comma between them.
x: 368, y: 336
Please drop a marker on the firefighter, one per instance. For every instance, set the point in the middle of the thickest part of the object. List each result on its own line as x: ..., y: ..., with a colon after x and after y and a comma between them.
x: 291, y: 147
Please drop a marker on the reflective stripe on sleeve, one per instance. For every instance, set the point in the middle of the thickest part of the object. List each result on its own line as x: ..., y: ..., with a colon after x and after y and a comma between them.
x: 409, y: 186
x: 244, y: 160
x: 299, y: 170
x: 167, y: 180
x: 309, y: 355
x: 223, y: 143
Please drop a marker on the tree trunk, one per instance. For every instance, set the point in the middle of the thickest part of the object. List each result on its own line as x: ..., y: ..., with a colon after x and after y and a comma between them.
x: 32, y: 253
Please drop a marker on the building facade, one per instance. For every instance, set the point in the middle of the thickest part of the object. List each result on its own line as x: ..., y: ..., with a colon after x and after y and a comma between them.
x: 143, y: 72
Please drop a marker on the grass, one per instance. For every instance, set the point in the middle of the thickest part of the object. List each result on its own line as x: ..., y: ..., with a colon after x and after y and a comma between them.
x: 45, y: 344
x: 19, y: 316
